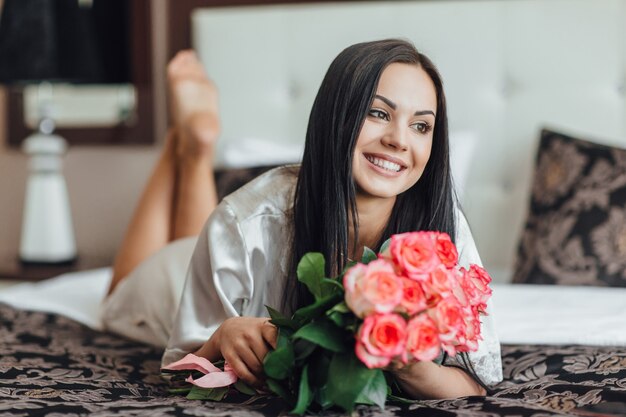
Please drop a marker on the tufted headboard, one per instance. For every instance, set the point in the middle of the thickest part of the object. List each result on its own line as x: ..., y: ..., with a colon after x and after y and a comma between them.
x: 509, y: 67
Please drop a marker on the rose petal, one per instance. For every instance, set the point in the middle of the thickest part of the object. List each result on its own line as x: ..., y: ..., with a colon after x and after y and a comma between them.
x: 214, y: 380
x: 193, y: 363
x: 371, y: 361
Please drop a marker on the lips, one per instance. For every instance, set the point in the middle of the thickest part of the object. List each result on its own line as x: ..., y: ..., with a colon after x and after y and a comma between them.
x: 386, y: 162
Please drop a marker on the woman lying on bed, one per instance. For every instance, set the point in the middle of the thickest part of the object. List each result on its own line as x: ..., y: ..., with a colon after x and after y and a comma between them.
x: 376, y: 163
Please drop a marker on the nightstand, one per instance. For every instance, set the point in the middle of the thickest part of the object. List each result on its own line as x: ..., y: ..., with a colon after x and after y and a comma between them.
x: 11, y: 269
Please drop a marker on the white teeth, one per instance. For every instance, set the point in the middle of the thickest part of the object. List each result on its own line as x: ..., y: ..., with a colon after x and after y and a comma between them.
x: 390, y: 166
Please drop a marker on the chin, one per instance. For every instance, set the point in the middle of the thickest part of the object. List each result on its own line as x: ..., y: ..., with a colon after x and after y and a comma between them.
x: 381, y: 192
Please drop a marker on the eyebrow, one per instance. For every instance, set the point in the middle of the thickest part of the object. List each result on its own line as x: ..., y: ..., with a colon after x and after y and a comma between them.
x: 394, y: 106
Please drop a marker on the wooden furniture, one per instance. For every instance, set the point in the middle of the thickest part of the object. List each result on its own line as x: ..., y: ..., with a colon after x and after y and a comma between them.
x: 11, y: 268
x: 140, y: 132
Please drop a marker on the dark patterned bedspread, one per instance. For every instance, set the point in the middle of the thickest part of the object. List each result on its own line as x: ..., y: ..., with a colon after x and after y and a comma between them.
x: 53, y: 366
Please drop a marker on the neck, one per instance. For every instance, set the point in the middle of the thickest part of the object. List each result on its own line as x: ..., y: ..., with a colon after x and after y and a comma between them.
x: 374, y: 214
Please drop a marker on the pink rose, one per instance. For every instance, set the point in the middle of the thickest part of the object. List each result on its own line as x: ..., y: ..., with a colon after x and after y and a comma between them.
x: 446, y: 251
x: 450, y: 318
x: 413, y: 297
x: 374, y: 287
x: 422, y: 338
x: 480, y: 279
x: 380, y: 338
x: 464, y: 290
x: 439, y: 284
x: 414, y: 253
x: 472, y: 331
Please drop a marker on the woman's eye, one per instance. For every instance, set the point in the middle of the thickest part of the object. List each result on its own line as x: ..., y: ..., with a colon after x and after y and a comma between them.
x: 422, y: 127
x: 379, y: 114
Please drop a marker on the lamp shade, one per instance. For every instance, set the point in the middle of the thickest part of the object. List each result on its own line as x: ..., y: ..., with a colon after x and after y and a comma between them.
x: 75, y: 41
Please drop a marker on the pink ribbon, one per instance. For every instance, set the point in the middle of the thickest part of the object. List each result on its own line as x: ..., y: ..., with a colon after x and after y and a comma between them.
x: 213, y: 378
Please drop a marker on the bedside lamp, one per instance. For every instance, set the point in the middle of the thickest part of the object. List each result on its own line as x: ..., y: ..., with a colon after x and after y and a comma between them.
x: 47, y: 232
x: 50, y: 41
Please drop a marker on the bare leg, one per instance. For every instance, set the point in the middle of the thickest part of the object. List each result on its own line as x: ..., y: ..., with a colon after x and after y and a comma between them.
x: 150, y: 227
x: 195, y: 113
x: 180, y: 193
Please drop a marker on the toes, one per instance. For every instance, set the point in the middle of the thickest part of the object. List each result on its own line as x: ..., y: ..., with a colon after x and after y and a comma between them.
x: 185, y: 64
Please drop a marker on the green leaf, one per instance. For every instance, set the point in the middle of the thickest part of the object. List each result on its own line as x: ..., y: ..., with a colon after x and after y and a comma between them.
x: 330, y: 287
x: 385, y: 245
x: 322, y: 397
x: 345, y: 367
x: 319, y: 364
x: 311, y: 271
x: 318, y: 377
x: 340, y: 320
x: 341, y: 308
x: 368, y: 255
x: 324, y: 334
x: 213, y: 394
x: 284, y: 337
x: 244, y: 388
x: 375, y: 392
x: 279, y: 320
x: 305, y: 396
x: 278, y: 389
x: 316, y: 309
x: 178, y: 391
x: 278, y: 363
x: 303, y: 349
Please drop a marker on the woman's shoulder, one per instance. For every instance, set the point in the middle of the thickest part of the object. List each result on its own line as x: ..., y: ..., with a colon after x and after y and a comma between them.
x: 468, y: 253
x: 269, y: 194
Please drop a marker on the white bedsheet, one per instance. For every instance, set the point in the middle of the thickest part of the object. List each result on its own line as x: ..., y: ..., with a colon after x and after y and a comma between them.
x: 76, y: 295
x: 533, y: 314
x: 551, y: 314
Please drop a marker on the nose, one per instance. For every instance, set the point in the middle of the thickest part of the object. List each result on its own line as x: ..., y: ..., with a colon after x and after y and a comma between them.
x: 395, y: 137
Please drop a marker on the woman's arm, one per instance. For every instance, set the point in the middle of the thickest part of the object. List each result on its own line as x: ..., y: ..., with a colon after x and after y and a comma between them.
x: 428, y: 380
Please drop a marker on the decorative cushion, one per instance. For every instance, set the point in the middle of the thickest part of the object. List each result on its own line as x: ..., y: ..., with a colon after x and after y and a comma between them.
x: 576, y: 228
x: 230, y: 179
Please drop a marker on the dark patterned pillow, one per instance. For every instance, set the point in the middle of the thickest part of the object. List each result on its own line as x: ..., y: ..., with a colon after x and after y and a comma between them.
x: 576, y: 228
x: 230, y: 179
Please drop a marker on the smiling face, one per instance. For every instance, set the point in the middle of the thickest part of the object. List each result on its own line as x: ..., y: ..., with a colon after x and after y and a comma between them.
x: 394, y: 144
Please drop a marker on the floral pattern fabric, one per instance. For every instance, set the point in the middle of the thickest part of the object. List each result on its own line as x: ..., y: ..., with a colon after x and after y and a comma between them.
x: 231, y: 179
x: 576, y: 228
x: 53, y: 366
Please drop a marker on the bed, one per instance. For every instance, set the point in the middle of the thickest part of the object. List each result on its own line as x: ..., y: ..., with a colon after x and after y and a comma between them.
x: 564, y: 347
x: 55, y: 360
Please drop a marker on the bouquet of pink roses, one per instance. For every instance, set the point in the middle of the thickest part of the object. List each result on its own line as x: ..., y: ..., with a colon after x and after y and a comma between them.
x: 415, y: 300
x: 410, y: 302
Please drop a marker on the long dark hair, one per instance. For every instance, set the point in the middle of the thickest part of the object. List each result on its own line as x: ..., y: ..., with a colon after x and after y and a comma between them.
x: 325, y: 200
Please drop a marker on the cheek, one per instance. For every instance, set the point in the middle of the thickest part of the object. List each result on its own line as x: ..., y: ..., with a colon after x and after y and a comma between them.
x: 422, y: 153
x: 369, y: 132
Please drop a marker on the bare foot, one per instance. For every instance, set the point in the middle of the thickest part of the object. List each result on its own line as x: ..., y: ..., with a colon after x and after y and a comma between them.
x: 194, y: 106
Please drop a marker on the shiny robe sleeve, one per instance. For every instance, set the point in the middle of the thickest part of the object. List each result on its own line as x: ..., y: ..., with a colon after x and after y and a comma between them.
x: 218, y: 285
x: 486, y: 361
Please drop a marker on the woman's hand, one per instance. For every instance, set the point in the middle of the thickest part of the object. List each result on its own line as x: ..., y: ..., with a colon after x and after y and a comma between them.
x: 427, y: 380
x: 243, y: 342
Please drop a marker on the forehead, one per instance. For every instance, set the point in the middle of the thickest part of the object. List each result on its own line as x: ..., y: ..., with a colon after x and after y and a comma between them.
x: 409, y: 86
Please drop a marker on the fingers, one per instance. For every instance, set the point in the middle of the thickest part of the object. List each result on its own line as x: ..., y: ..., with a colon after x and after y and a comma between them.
x: 270, y: 334
x: 244, y: 344
x: 243, y: 372
x: 252, y: 359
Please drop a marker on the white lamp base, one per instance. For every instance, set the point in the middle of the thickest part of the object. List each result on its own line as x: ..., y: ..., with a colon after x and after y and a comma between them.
x: 47, y: 232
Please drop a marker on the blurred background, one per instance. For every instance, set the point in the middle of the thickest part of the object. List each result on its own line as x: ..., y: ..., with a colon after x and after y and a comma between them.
x: 511, y: 67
